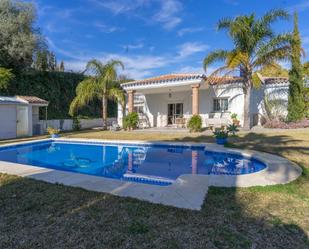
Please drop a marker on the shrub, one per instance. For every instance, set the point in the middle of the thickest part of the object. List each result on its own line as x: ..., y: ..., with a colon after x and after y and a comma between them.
x: 76, y: 124
x: 234, y: 116
x: 195, y: 123
x: 220, y: 133
x: 131, y: 121
x: 51, y: 130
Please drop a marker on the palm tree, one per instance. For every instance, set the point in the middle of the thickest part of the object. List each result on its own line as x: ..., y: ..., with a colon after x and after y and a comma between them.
x: 255, y: 45
x: 102, y: 84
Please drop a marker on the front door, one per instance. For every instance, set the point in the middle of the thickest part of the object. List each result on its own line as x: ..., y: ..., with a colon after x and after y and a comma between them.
x: 174, y: 111
x: 22, y: 121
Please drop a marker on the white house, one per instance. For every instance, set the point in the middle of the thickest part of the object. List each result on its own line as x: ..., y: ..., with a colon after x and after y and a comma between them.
x: 19, y: 116
x: 172, y: 99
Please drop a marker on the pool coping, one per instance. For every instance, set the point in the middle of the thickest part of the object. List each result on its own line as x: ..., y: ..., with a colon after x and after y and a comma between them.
x: 188, y: 191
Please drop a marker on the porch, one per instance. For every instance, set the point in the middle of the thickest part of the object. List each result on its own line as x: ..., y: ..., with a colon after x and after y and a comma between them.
x: 171, y: 101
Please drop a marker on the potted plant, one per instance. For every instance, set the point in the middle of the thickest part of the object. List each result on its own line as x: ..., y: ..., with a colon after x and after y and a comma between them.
x: 233, y: 128
x: 235, y: 119
x: 54, y: 133
x: 221, y: 136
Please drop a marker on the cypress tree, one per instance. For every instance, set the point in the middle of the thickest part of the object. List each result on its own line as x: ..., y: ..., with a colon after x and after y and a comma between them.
x: 296, y: 103
x: 61, y: 66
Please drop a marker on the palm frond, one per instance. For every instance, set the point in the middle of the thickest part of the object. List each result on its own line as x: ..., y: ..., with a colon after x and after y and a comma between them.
x: 236, y: 59
x: 86, y: 91
x: 268, y: 58
x: 224, y: 23
x: 215, y: 56
x: 95, y: 67
x: 274, y: 15
x: 118, y: 95
x: 278, y: 41
x: 110, y: 70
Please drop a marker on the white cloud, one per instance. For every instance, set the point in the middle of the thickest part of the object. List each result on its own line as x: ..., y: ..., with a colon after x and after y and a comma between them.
x: 133, y: 46
x: 190, y: 69
x: 190, y: 48
x: 168, y: 15
x: 106, y: 28
x: 137, y: 67
x: 184, y: 31
x: 121, y: 6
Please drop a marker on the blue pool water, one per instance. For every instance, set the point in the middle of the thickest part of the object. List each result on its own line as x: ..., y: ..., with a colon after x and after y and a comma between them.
x: 153, y: 164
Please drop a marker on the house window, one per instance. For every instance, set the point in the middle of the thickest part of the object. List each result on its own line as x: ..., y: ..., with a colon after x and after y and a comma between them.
x: 221, y: 105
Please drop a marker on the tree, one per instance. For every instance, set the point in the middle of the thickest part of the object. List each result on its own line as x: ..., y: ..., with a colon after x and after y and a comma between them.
x: 306, y: 70
x: 255, y: 46
x: 102, y: 85
x: 44, y: 60
x: 6, y: 76
x: 61, y: 67
x: 274, y: 70
x: 296, y: 103
x: 18, y: 36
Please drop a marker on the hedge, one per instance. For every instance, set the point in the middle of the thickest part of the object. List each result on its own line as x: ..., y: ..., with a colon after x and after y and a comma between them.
x: 56, y: 87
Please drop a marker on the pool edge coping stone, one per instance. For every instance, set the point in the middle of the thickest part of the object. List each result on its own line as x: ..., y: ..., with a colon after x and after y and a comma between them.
x: 188, y: 191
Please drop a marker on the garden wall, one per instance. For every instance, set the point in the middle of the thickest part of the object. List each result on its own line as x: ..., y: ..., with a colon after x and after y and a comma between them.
x: 66, y: 124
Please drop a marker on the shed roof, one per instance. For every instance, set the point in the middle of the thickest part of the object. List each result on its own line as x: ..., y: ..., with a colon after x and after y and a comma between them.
x: 33, y: 99
x: 22, y: 100
x: 11, y: 100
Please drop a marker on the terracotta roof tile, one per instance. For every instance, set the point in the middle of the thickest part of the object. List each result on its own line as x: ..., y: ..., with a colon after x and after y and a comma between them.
x: 33, y: 99
x: 223, y: 80
x: 192, y: 76
x: 276, y: 80
x: 165, y: 78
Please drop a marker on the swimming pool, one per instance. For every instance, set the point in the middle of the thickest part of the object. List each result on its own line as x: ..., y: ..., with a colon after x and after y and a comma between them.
x: 158, y: 164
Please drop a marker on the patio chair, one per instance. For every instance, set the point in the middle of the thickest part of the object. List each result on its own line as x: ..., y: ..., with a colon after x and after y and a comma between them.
x: 216, y: 122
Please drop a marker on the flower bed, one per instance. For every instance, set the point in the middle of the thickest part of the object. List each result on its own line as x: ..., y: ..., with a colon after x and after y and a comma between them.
x: 284, y: 125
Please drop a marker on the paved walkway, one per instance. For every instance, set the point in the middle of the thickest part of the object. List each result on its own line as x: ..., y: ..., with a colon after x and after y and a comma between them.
x: 188, y: 191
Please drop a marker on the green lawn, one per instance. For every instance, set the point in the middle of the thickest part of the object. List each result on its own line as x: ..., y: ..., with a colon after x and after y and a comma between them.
x: 34, y: 214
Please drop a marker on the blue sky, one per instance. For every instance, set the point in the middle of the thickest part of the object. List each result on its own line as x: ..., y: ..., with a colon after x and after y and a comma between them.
x: 151, y: 37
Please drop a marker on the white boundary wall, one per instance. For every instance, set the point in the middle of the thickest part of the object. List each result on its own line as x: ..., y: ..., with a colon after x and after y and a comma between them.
x: 66, y: 124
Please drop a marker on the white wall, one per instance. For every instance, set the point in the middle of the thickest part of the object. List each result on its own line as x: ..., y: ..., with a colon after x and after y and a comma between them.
x: 66, y: 124
x: 156, y: 103
x: 278, y: 92
x: 7, y: 121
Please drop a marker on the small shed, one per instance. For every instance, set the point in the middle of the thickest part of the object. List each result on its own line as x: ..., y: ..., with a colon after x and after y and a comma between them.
x: 19, y: 116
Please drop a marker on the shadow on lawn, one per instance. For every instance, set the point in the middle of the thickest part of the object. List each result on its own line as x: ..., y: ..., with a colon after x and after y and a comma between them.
x: 41, y: 215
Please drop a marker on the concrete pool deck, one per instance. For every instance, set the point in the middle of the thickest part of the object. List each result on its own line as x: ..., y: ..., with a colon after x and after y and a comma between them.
x: 188, y: 191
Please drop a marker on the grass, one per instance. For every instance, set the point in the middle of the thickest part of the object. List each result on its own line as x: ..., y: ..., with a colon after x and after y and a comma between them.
x: 35, y: 214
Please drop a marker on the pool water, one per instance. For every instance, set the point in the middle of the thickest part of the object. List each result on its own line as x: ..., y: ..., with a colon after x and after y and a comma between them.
x: 153, y: 164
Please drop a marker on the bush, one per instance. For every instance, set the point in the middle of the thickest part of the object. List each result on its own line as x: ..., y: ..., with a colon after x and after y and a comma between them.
x: 51, y: 130
x: 131, y: 121
x: 195, y: 123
